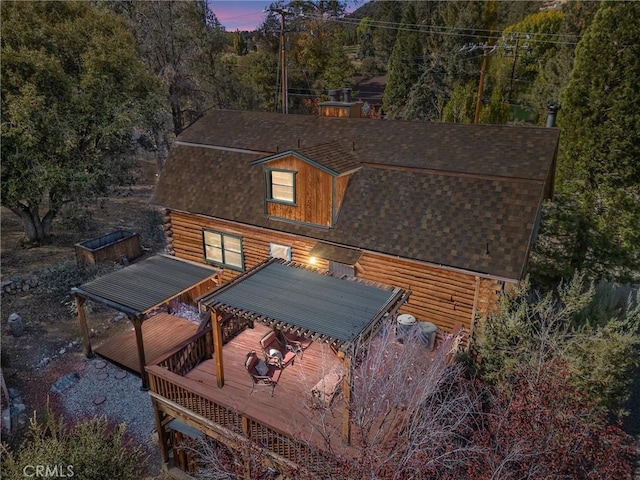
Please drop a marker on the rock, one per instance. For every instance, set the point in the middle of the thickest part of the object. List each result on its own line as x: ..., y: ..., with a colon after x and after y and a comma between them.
x: 99, y: 400
x: 62, y: 351
x: 15, y: 323
x: 6, y: 420
x: 13, y: 392
x: 65, y: 382
x: 20, y: 407
x: 43, y: 362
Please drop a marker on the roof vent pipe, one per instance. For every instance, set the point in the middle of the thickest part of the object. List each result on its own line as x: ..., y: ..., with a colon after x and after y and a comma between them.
x: 333, y: 95
x: 552, y: 113
x: 346, y: 95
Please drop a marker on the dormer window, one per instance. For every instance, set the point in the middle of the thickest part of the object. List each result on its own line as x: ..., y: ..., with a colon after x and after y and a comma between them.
x: 282, y: 186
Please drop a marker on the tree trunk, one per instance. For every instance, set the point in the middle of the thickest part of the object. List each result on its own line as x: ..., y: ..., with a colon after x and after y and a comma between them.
x: 34, y: 230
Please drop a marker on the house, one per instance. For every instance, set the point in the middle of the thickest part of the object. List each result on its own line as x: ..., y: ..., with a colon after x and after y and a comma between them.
x: 432, y: 220
x: 448, y: 211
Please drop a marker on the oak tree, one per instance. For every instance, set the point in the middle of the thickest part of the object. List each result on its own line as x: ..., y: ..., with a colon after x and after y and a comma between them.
x: 73, y: 91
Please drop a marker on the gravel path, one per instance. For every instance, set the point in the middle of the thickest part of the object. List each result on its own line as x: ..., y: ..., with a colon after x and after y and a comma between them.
x: 100, y: 388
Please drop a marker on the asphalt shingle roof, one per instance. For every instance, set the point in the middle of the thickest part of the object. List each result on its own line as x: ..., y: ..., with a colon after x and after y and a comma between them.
x: 465, y: 196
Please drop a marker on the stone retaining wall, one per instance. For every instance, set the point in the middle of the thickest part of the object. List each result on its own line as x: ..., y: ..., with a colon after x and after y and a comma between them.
x: 19, y: 284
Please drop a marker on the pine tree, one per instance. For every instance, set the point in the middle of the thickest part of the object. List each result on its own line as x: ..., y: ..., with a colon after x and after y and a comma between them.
x: 598, y: 163
x: 404, y: 64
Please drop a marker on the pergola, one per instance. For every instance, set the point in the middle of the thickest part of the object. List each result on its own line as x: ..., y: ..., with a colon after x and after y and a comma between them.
x: 139, y: 288
x: 342, y: 312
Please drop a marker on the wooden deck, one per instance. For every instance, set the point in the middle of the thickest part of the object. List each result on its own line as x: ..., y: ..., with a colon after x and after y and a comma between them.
x: 160, y: 333
x: 290, y: 411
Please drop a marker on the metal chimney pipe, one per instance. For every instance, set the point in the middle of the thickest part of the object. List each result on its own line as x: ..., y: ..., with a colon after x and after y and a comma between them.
x: 333, y: 95
x: 552, y: 112
x: 346, y: 95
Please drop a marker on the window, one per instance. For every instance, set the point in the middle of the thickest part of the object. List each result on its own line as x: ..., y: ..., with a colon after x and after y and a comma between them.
x: 280, y: 251
x: 282, y: 185
x: 223, y: 249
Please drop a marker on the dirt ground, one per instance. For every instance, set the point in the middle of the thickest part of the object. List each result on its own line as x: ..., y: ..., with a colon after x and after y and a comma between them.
x: 52, y: 344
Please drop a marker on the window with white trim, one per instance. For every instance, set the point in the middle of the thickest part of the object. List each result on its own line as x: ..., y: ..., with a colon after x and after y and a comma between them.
x: 280, y: 251
x: 223, y: 249
x: 282, y: 185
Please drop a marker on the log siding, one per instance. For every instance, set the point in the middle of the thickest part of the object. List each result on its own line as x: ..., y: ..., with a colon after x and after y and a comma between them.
x: 446, y: 297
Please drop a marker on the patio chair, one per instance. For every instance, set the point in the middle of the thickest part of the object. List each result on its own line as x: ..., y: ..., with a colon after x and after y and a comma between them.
x: 275, y: 353
x: 296, y: 343
x: 268, y: 377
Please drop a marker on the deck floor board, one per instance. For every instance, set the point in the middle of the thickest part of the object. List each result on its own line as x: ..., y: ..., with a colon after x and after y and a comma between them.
x: 160, y: 333
x: 289, y: 409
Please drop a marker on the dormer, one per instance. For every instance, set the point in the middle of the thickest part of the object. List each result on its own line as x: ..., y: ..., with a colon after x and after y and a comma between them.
x: 307, y: 185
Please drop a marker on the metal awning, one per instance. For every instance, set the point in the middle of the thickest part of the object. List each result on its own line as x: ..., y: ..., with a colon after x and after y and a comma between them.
x: 336, y: 253
x: 293, y: 297
x: 144, y: 285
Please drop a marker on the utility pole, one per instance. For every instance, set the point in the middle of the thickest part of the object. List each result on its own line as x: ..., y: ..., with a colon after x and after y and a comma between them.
x: 483, y: 69
x: 487, y: 49
x: 283, y: 12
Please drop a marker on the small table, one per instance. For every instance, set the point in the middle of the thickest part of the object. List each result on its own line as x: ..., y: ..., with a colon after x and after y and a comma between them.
x: 323, y: 392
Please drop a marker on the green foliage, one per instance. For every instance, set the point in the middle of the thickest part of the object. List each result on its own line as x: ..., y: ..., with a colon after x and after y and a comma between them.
x: 390, y: 13
x: 514, y: 70
x: 260, y: 72
x: 595, y: 334
x: 73, y: 90
x: 598, y: 161
x: 365, y: 35
x: 404, y: 63
x: 90, y: 450
x: 461, y: 105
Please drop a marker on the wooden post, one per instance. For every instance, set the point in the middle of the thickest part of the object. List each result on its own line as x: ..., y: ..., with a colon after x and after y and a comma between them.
x: 346, y: 409
x: 162, y: 434
x: 137, y: 325
x: 82, y: 316
x: 217, y: 347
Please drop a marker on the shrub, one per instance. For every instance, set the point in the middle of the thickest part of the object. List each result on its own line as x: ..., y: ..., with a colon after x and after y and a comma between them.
x: 91, y: 450
x: 579, y: 325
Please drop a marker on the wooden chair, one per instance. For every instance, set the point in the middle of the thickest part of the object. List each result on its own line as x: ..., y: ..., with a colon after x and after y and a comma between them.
x: 275, y: 353
x: 296, y: 343
x: 270, y: 378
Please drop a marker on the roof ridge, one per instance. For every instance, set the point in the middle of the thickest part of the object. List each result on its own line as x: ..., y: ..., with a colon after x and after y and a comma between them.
x: 450, y: 173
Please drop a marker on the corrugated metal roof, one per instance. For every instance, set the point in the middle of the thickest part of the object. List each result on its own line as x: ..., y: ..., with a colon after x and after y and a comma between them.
x: 336, y: 308
x: 335, y: 253
x: 143, y: 285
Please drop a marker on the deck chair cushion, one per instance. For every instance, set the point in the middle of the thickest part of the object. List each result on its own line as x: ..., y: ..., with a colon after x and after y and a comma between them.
x: 275, y: 353
x: 262, y: 368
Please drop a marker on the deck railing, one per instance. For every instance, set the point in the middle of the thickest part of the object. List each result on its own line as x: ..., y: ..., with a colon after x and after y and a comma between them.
x: 190, y: 353
x: 188, y: 394
x: 182, y: 359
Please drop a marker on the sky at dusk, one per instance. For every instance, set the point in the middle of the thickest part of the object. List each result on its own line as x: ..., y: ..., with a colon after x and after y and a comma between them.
x: 239, y: 14
x: 247, y: 14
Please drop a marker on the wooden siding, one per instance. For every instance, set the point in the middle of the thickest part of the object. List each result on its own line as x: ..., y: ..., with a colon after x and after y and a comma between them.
x: 441, y: 296
x: 187, y: 242
x: 445, y: 297
x: 313, y: 193
x: 341, y: 188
